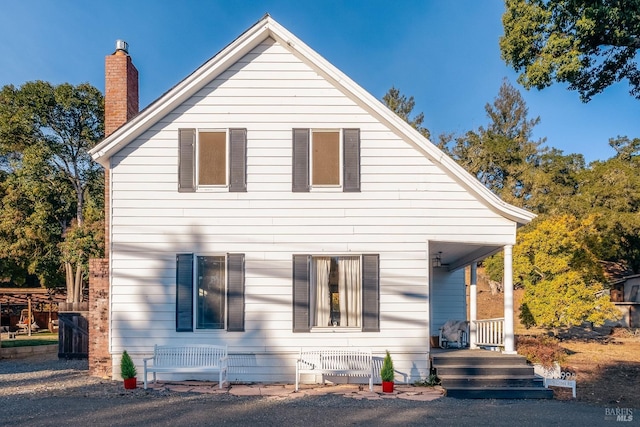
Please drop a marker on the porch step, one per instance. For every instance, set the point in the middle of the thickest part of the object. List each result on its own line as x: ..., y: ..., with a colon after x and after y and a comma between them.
x: 500, y: 393
x: 493, y: 381
x: 480, y: 374
x: 473, y: 357
x: 492, y: 370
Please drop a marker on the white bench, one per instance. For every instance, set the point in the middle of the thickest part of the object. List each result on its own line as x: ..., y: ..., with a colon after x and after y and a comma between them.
x: 203, y: 358
x: 336, y: 362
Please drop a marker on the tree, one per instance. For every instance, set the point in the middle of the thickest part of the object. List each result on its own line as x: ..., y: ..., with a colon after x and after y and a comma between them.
x: 45, y: 134
x: 502, y: 155
x: 561, y: 275
x: 33, y: 210
x: 610, y: 190
x: 555, y: 182
x: 589, y: 44
x: 403, y: 106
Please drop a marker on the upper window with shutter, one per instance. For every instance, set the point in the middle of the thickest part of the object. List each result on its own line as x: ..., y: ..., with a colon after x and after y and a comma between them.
x: 326, y: 159
x: 212, y: 159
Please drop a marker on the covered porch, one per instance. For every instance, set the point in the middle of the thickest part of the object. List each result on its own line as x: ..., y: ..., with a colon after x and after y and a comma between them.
x: 449, y: 292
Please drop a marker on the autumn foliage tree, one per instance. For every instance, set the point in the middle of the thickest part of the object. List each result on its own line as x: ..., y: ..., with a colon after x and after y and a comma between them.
x: 562, y: 277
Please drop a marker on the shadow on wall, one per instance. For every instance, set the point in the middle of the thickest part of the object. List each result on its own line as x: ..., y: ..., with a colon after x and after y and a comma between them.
x: 144, y: 307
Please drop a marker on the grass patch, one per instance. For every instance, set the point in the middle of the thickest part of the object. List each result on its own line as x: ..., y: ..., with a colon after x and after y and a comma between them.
x: 41, y: 338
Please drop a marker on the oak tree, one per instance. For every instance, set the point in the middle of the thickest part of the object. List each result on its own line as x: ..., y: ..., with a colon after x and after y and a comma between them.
x: 588, y: 44
x: 45, y: 134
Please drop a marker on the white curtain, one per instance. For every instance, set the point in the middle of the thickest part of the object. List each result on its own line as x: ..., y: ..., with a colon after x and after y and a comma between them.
x: 349, y: 289
x: 323, y: 267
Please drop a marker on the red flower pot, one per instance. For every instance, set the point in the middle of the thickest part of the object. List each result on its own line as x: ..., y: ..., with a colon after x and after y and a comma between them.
x: 387, y: 386
x: 130, y: 383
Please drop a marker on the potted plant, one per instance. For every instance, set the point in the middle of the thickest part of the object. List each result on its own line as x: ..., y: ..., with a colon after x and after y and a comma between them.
x: 128, y: 371
x: 387, y: 373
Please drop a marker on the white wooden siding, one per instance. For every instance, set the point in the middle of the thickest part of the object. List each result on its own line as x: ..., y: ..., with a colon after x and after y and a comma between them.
x: 448, y: 288
x: 405, y: 201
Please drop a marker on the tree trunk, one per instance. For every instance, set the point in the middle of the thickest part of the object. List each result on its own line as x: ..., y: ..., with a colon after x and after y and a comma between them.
x: 73, y: 281
x: 68, y: 269
x: 78, y: 283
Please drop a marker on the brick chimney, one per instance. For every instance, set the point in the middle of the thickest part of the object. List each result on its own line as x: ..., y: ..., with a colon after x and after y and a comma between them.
x: 120, y: 105
x: 121, y: 88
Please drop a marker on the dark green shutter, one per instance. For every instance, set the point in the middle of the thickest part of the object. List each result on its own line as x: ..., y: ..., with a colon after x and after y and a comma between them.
x: 351, y: 156
x: 184, y: 292
x: 235, y: 293
x: 371, y: 293
x: 301, y: 285
x: 238, y: 160
x: 300, y: 160
x: 186, y: 160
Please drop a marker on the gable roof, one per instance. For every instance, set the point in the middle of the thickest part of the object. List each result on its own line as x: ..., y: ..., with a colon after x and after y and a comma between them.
x: 267, y: 27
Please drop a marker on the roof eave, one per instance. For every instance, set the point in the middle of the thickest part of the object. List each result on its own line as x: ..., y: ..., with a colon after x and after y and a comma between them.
x: 267, y: 27
x: 401, y: 127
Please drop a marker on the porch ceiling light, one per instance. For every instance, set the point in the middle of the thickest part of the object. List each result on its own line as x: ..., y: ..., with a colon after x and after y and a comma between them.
x: 437, y: 260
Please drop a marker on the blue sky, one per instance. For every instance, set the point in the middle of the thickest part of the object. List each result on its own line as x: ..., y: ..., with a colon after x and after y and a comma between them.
x: 444, y: 53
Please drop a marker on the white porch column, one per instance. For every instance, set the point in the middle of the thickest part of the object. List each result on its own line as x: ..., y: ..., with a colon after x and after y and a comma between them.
x: 509, y: 338
x: 473, y: 306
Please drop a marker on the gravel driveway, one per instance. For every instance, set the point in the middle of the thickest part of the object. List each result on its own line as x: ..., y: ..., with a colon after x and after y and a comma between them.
x: 45, y: 391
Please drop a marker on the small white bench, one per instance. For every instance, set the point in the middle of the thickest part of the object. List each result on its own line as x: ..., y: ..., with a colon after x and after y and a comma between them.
x: 335, y: 362
x: 203, y: 358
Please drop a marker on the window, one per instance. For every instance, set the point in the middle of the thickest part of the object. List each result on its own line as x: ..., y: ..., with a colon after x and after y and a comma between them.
x: 210, y: 295
x: 325, y: 158
x: 335, y: 291
x: 214, y: 286
x: 322, y: 159
x: 212, y: 158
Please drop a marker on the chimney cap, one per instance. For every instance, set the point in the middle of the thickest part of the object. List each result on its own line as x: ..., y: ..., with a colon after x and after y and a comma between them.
x: 122, y: 45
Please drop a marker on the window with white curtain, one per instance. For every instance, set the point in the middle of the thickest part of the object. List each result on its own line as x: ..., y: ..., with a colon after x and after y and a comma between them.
x: 336, y: 292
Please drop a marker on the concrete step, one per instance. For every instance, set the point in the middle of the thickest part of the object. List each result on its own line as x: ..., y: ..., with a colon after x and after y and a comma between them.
x: 500, y: 393
x: 489, y: 381
x: 473, y: 374
x: 504, y: 371
x: 462, y: 359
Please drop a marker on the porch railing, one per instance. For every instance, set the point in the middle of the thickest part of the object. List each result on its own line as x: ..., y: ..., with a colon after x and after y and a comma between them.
x: 490, y: 332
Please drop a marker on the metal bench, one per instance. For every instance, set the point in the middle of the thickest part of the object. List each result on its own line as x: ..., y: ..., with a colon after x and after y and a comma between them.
x: 335, y: 362
x: 206, y: 359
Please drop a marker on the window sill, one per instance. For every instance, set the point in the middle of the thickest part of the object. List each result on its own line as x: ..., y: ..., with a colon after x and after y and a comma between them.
x: 337, y: 329
x: 220, y: 189
x: 328, y: 189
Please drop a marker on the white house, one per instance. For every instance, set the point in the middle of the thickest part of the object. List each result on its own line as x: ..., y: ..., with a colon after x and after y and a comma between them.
x: 270, y: 203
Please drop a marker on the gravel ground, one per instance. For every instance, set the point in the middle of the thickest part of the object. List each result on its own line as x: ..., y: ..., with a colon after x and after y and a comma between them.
x: 45, y: 391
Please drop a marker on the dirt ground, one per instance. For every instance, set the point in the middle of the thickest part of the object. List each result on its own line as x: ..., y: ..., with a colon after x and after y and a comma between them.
x: 607, y: 368
x: 605, y: 360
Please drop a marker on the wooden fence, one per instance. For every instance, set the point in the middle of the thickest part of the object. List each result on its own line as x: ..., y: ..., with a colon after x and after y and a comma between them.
x: 73, y: 335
